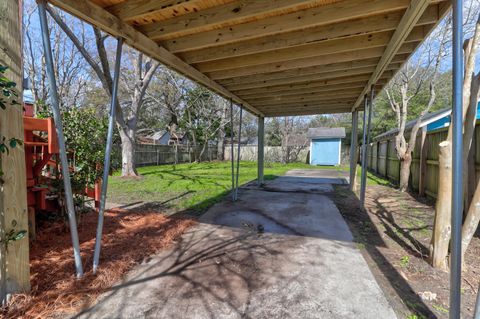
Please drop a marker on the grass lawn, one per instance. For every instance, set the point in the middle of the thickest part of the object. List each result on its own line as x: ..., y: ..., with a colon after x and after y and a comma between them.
x: 189, y: 186
x: 372, y: 179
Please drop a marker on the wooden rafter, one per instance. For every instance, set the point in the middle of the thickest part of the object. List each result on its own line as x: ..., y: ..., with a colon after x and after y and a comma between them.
x: 104, y: 20
x: 237, y: 12
x: 335, y: 13
x: 273, y: 56
x: 368, y: 25
x: 331, y: 47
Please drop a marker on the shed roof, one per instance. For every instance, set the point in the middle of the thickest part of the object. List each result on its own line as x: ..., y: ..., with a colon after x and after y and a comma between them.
x: 275, y: 57
x: 326, y: 132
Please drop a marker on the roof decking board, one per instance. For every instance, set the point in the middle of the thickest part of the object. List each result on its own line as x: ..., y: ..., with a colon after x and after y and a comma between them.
x: 141, y: 12
x: 316, y: 46
x: 368, y: 25
x: 342, y: 11
x: 234, y: 13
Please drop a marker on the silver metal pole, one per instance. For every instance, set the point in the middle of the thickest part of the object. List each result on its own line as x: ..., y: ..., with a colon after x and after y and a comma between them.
x: 363, y: 180
x: 457, y: 163
x: 231, y: 150
x: 476, y: 315
x: 370, y: 111
x: 108, y: 153
x: 61, y: 139
x: 353, y: 150
x: 238, y: 151
x: 261, y: 150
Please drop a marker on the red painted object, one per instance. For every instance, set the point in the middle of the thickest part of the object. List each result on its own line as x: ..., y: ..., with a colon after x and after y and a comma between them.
x: 41, y: 150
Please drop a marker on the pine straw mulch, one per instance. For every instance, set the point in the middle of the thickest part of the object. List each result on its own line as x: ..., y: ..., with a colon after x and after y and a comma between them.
x: 129, y: 238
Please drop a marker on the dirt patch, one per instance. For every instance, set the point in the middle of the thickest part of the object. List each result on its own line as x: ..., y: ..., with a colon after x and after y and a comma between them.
x: 394, y: 235
x: 129, y: 238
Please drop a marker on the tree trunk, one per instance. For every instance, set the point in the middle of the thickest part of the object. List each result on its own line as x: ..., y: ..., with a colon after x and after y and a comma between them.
x: 405, y: 164
x: 472, y: 220
x: 442, y: 227
x: 128, y: 155
x: 221, y: 145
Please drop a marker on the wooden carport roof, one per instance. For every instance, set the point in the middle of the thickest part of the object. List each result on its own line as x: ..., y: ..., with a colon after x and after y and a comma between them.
x: 275, y: 57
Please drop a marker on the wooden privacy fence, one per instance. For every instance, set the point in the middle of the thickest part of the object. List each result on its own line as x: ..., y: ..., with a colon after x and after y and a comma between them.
x: 383, y: 161
x: 277, y: 153
x: 149, y: 154
x: 271, y: 153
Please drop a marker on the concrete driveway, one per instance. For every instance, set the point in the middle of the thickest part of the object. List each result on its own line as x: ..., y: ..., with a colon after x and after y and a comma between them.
x: 280, y: 253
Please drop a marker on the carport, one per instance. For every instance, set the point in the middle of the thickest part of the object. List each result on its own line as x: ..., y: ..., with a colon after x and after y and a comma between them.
x: 278, y: 58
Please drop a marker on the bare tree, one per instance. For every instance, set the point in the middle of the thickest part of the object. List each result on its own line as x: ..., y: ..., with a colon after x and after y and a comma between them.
x: 127, y: 117
x: 405, y: 87
x: 136, y: 84
x: 223, y: 109
x: 68, y: 66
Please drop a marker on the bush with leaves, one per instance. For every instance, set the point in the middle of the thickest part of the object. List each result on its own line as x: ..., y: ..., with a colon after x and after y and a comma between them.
x: 85, y: 137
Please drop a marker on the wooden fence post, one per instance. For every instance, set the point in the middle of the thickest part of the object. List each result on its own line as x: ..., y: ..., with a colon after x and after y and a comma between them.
x: 15, y: 272
x: 423, y: 162
x: 387, y: 159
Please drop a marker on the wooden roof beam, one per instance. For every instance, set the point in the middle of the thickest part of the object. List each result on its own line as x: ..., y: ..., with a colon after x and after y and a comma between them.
x: 306, y: 104
x: 102, y: 19
x: 342, y: 97
x: 134, y: 9
x: 310, y: 85
x: 360, y: 54
x: 349, y: 65
x: 326, y: 89
x: 336, y: 46
x: 368, y: 25
x: 313, y: 111
x: 338, y: 12
x: 244, y: 84
x: 227, y: 15
x: 332, y: 90
x: 276, y: 97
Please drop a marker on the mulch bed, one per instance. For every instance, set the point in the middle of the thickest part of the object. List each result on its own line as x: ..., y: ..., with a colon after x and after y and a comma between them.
x: 129, y: 238
x: 394, y: 237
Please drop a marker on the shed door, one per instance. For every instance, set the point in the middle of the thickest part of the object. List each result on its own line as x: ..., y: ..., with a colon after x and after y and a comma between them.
x: 325, y: 151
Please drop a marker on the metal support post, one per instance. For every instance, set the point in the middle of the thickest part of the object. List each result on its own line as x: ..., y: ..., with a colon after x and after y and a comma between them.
x: 364, y: 154
x: 231, y: 150
x: 370, y: 112
x: 476, y: 314
x: 457, y: 161
x: 238, y: 152
x: 261, y: 149
x: 353, y: 150
x: 108, y: 152
x: 55, y: 106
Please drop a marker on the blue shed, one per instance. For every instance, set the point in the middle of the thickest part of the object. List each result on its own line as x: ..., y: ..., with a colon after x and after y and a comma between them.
x: 326, y: 145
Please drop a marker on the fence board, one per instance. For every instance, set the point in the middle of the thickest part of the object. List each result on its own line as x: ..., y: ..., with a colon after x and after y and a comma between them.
x: 149, y: 154
x: 383, y: 161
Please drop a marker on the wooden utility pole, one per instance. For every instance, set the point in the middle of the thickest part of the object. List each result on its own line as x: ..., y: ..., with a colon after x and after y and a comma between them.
x: 14, y: 261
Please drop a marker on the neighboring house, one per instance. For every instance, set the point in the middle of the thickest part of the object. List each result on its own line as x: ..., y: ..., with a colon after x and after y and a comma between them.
x: 430, y: 122
x: 326, y: 145
x: 163, y: 138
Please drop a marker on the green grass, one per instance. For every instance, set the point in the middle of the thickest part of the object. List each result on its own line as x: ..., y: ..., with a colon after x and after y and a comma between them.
x: 372, y: 179
x: 188, y: 186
